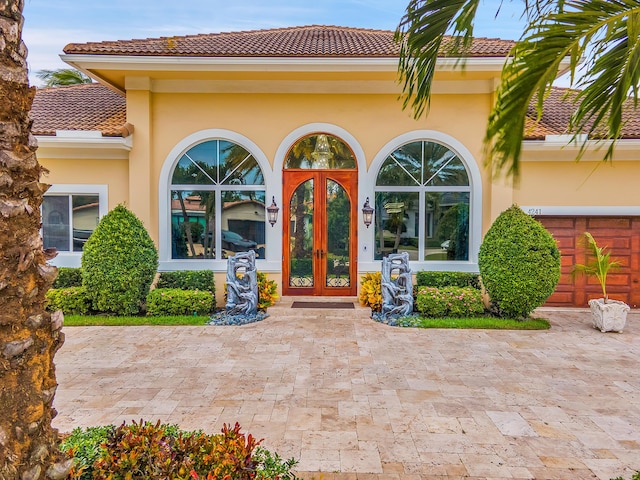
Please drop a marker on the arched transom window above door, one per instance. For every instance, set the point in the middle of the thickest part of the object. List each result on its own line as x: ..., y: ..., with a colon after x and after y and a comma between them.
x: 217, y: 199
x: 320, y: 151
x: 422, y: 203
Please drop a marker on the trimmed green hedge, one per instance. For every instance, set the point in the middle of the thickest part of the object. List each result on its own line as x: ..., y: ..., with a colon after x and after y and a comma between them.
x: 447, y: 279
x: 119, y: 262
x: 68, y: 277
x: 174, y: 301
x: 71, y: 300
x: 188, y: 280
x: 449, y: 302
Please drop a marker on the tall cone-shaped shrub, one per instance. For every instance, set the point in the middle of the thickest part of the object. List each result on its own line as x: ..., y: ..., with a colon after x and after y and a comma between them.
x: 519, y: 263
x: 119, y: 262
x: 29, y: 336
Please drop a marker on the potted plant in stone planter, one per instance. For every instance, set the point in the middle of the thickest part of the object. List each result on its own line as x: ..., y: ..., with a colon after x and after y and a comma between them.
x: 607, y: 315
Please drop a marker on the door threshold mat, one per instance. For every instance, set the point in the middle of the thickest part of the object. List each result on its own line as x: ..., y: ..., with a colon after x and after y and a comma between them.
x: 322, y: 305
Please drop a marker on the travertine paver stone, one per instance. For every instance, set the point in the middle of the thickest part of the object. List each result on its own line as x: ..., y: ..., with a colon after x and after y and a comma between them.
x: 359, y: 400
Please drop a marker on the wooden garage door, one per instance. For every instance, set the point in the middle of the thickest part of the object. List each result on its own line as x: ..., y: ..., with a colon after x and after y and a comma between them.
x: 620, y: 234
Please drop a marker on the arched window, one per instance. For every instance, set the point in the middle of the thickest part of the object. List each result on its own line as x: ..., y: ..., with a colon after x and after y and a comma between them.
x: 217, y: 199
x: 422, y: 204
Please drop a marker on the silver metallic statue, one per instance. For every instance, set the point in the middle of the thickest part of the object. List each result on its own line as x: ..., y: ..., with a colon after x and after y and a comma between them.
x: 242, y: 284
x: 397, y: 293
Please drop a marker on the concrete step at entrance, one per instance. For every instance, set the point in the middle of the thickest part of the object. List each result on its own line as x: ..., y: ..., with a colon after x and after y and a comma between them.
x: 284, y: 307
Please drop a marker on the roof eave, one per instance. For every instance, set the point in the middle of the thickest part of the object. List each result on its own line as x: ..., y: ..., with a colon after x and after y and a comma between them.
x: 83, y: 144
x: 90, y: 64
x: 178, y: 63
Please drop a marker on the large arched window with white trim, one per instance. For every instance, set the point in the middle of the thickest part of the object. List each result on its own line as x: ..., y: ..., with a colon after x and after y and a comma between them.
x: 422, y: 202
x: 217, y: 198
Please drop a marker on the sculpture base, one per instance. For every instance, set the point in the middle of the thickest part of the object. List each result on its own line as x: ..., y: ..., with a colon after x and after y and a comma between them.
x: 395, y: 320
x: 224, y: 318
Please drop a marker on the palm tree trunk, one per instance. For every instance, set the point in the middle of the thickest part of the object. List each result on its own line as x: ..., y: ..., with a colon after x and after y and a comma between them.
x: 29, y: 336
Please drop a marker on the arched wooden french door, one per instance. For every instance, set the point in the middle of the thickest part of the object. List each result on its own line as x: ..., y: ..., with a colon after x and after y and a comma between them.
x: 320, y: 219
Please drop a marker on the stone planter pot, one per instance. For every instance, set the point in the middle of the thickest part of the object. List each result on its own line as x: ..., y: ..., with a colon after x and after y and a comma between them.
x: 610, y: 316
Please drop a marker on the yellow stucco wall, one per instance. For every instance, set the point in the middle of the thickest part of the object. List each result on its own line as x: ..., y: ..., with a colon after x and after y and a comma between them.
x: 583, y: 183
x: 89, y: 171
x: 267, y: 119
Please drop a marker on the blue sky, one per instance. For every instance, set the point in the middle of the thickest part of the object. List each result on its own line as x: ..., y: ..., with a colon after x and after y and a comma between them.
x: 51, y: 24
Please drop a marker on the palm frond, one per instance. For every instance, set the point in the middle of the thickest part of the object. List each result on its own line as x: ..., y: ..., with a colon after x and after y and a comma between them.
x: 597, y: 30
x: 63, y: 76
x: 421, y: 34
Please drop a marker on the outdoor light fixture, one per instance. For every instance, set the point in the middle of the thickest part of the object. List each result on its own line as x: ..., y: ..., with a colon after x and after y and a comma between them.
x: 272, y: 212
x: 367, y: 213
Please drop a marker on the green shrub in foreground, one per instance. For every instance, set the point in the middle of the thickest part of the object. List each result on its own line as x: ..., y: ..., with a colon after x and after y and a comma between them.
x: 68, y: 277
x: 71, y: 300
x: 146, y: 450
x: 519, y: 264
x: 187, y: 280
x: 447, y: 279
x: 449, y: 302
x: 85, y: 446
x: 173, y: 301
x: 119, y: 262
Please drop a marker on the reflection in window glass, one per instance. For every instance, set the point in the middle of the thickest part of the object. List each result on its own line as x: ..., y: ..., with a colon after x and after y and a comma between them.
x: 85, y: 218
x: 337, y: 234
x: 395, y: 230
x: 301, y: 236
x: 217, y: 219
x: 192, y: 224
x: 434, y: 191
x: 217, y: 162
x: 243, y: 226
x: 321, y: 151
x: 447, y: 229
x: 55, y: 222
x: 60, y: 233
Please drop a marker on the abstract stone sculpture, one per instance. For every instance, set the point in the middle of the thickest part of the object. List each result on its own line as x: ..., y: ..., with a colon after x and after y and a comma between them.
x: 397, y: 293
x: 242, y: 284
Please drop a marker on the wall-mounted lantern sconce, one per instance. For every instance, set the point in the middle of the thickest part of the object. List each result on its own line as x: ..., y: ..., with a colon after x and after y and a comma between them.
x: 272, y: 212
x: 367, y: 213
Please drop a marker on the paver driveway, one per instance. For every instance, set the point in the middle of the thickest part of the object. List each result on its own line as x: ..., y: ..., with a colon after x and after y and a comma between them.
x: 354, y: 398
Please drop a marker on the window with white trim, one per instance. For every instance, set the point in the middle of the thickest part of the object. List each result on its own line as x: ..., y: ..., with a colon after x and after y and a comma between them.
x: 422, y: 202
x: 69, y: 219
x: 217, y: 197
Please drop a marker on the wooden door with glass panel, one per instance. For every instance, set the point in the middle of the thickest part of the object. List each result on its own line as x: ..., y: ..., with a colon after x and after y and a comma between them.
x: 320, y: 215
x: 319, y: 253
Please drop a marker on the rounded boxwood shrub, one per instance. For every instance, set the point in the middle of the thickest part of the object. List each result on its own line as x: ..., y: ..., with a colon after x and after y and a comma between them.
x: 119, y: 262
x: 519, y: 263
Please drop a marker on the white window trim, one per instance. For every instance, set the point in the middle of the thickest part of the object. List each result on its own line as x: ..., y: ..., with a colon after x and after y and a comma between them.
x: 74, y: 259
x: 272, y: 235
x: 368, y: 188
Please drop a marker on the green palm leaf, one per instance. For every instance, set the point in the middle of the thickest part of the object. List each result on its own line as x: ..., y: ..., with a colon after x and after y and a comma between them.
x: 601, y: 35
x: 594, y: 33
x: 63, y: 76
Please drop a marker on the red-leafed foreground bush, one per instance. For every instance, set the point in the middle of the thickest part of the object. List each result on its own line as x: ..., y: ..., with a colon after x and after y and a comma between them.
x: 160, y: 451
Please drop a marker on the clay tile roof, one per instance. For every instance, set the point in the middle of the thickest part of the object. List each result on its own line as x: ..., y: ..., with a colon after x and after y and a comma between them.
x: 558, y: 108
x: 78, y: 107
x: 306, y: 41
